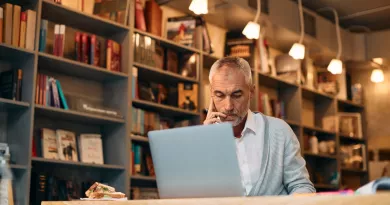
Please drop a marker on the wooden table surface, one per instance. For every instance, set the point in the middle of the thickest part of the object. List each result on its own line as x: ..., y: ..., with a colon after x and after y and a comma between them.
x: 377, y: 199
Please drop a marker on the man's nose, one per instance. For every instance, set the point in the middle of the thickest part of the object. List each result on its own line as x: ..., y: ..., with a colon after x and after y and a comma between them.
x: 229, y: 104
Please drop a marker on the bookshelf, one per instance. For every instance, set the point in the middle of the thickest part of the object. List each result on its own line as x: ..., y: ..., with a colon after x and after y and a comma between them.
x: 24, y: 118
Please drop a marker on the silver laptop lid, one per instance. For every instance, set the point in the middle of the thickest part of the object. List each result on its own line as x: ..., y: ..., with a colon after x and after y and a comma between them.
x: 196, y: 161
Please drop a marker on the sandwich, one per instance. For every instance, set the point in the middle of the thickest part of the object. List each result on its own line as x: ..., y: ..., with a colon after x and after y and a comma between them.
x: 101, y: 191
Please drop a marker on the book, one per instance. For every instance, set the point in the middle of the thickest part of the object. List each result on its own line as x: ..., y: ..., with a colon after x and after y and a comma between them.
x: 42, y: 35
x: 7, y: 27
x: 61, y: 41
x: 56, y: 40
x: 134, y: 83
x: 139, y: 16
x: 1, y: 23
x: 153, y: 16
x: 188, y: 96
x: 91, y: 148
x: 49, y: 144
x: 181, y: 30
x: 30, y: 29
x: 67, y: 148
x: 73, y: 4
x: 23, y: 28
x: 94, y: 51
x: 8, y: 84
x: 381, y: 184
x: 16, y: 25
x: 77, y: 45
x: 62, y: 98
x: 19, y: 85
x: 84, y: 48
x: 238, y: 45
x: 113, y: 57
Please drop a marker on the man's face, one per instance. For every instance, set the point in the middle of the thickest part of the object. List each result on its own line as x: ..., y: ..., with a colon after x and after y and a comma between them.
x: 231, y: 94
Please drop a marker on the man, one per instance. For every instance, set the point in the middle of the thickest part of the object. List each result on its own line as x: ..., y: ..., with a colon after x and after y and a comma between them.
x: 267, y: 149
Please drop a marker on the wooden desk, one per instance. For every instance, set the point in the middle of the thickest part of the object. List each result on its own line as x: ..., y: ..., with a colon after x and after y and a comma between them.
x: 378, y: 199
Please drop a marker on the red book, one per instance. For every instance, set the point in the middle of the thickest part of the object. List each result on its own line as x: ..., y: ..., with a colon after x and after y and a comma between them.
x: 56, y: 39
x: 34, y: 149
x: 77, y: 41
x: 139, y: 16
x: 61, y: 41
x: 109, y: 54
x: 84, y: 48
x: 42, y: 87
x: 94, y: 51
x: 37, y: 89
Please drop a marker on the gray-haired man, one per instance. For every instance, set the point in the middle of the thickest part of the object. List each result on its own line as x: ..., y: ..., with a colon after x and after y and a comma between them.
x: 267, y: 149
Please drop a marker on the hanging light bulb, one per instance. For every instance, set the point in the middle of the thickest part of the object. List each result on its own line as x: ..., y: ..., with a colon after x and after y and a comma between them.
x: 335, y: 67
x: 199, y: 6
x: 297, y: 51
x: 252, y: 29
x: 377, y: 76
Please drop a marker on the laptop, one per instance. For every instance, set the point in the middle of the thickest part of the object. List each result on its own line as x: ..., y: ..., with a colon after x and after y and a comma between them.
x: 196, y: 162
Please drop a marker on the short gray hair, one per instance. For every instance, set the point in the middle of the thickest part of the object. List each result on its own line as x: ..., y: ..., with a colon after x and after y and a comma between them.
x: 233, y: 62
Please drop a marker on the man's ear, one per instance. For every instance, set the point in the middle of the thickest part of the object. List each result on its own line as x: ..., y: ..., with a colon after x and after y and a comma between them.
x: 252, y: 90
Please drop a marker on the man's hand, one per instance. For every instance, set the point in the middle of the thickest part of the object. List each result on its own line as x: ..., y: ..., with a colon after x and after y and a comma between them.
x: 213, y: 116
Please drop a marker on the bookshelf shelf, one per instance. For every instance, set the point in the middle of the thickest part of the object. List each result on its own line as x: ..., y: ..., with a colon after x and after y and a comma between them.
x: 139, y: 138
x: 144, y: 178
x: 326, y: 186
x: 80, y: 20
x: 310, y: 93
x: 349, y: 104
x: 293, y: 123
x: 325, y: 156
x: 79, y: 164
x: 162, y: 74
x: 165, y: 109
x: 351, y: 140
x: 75, y: 68
x: 354, y: 171
x: 12, y: 53
x: 168, y: 43
x: 75, y: 116
x: 318, y: 130
x: 7, y: 104
x: 18, y: 167
x: 274, y: 82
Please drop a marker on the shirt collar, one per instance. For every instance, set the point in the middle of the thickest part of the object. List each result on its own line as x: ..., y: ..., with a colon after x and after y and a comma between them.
x: 250, y: 123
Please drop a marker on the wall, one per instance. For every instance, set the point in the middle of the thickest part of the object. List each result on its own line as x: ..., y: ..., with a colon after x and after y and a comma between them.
x: 377, y: 98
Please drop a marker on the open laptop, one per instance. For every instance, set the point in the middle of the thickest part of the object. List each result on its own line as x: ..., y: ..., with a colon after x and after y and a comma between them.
x: 196, y: 161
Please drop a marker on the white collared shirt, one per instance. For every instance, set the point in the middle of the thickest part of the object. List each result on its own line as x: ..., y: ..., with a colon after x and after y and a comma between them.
x: 249, y: 151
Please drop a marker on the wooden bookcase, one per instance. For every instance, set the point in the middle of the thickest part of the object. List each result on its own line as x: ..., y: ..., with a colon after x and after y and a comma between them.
x: 20, y: 121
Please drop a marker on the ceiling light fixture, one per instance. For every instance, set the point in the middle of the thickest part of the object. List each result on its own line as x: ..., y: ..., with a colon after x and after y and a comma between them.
x: 297, y: 51
x: 199, y: 7
x: 336, y: 65
x: 377, y: 76
x: 252, y: 29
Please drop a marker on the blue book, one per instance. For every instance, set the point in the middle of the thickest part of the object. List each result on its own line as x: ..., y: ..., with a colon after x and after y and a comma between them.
x: 42, y: 35
x: 62, y: 96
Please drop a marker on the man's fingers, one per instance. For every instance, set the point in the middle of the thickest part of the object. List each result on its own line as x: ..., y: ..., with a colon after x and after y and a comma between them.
x: 211, y: 121
x: 211, y: 108
x: 217, y: 114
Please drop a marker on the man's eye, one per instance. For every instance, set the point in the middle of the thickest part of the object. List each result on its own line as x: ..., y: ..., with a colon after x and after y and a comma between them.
x: 219, y: 94
x: 237, y: 95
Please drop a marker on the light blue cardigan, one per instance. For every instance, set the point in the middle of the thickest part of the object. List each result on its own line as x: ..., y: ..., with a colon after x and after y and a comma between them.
x: 283, y: 169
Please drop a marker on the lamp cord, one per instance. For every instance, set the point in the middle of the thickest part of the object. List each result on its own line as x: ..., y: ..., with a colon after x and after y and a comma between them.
x: 301, y: 21
x: 336, y: 19
x: 258, y: 11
